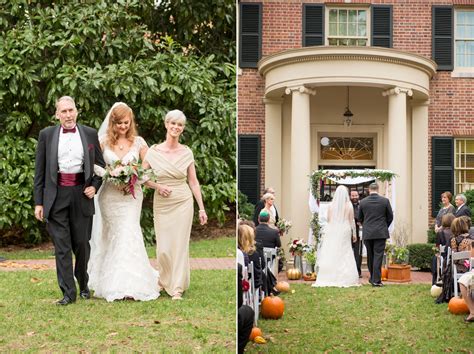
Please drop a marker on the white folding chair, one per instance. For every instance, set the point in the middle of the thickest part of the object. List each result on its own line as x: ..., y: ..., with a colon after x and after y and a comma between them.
x: 253, y: 292
x: 440, y: 264
x: 459, y: 256
x: 270, y: 256
x: 246, y: 295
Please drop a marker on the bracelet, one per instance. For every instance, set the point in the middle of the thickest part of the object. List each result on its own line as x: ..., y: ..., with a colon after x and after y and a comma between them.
x: 202, y: 210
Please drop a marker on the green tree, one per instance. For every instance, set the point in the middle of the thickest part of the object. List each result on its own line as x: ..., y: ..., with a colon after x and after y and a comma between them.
x: 100, y: 53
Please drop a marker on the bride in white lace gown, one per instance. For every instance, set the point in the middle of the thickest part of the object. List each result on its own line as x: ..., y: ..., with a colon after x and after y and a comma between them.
x: 336, y: 263
x: 119, y: 267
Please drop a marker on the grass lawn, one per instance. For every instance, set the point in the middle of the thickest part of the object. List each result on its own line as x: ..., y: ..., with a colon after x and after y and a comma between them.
x: 395, y: 318
x: 203, y: 322
x: 218, y: 247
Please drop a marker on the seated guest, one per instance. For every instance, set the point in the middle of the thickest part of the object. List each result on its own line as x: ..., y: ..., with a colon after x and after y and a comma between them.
x: 461, y: 241
x: 268, y: 236
x: 466, y: 284
x: 261, y: 204
x: 443, y: 238
x: 247, y: 244
x: 469, y: 224
x: 245, y: 315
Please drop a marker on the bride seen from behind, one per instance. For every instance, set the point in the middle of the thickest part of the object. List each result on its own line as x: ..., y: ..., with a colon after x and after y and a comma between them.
x: 119, y: 267
x: 336, y: 263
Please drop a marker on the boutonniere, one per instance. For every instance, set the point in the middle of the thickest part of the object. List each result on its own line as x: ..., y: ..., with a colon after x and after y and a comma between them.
x: 90, y: 147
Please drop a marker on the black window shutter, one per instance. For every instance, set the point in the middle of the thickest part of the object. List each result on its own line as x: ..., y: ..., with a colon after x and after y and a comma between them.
x: 250, y: 34
x: 442, y: 41
x: 382, y: 26
x: 442, y: 171
x: 313, y: 25
x: 249, y: 167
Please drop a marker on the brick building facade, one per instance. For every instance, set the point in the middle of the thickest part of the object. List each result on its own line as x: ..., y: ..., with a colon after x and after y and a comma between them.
x: 407, y: 67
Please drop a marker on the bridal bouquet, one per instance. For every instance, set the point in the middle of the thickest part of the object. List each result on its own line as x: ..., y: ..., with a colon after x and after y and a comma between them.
x: 283, y: 225
x: 125, y: 175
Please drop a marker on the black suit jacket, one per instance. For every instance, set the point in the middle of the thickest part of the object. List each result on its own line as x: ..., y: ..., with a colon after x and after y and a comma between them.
x: 267, y: 236
x: 375, y: 214
x: 46, y: 167
x: 464, y: 211
x: 258, y: 208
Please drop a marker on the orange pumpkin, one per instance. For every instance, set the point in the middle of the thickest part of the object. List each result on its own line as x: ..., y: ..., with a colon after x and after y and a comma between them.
x: 457, y: 306
x: 384, y: 273
x: 272, y: 307
x: 283, y: 286
x: 255, y: 332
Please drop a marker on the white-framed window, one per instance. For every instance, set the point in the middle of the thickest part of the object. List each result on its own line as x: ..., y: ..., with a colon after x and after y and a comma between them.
x: 464, y: 40
x: 347, y: 26
x: 463, y: 164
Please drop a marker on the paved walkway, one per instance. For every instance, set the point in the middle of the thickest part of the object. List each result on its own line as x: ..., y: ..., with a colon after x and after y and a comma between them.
x: 416, y: 278
x: 44, y: 264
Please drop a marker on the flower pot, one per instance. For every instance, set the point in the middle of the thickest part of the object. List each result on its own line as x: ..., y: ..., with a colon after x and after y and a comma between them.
x: 399, y: 273
x: 298, y: 263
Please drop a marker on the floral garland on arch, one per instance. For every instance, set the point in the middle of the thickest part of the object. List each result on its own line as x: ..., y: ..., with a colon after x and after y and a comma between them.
x: 316, y: 181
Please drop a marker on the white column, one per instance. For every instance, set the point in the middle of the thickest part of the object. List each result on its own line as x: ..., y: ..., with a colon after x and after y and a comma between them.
x: 273, y: 144
x: 420, y: 193
x: 397, y: 154
x: 300, y: 160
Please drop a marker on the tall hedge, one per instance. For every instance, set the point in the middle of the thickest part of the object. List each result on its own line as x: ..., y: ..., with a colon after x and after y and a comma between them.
x: 102, y: 52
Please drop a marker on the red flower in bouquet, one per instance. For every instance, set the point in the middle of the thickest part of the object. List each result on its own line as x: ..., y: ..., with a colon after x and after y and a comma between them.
x: 126, y: 175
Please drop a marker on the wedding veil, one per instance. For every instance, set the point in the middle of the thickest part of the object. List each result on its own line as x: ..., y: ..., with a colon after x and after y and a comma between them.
x: 339, y: 204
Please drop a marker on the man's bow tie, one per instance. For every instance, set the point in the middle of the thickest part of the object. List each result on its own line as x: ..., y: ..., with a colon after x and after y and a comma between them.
x: 72, y: 130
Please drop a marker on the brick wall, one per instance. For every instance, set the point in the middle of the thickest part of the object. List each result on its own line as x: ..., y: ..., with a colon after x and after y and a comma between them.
x: 450, y: 113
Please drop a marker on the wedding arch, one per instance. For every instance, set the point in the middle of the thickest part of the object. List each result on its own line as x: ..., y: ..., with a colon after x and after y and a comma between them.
x: 345, y: 177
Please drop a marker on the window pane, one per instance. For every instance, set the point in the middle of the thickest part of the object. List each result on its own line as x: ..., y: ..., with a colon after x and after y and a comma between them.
x: 470, y: 146
x: 362, y: 42
x: 353, y: 16
x: 332, y: 41
x: 333, y: 29
x: 342, y: 29
x: 332, y: 15
x: 352, y: 29
x: 344, y: 42
x: 362, y: 16
x: 342, y: 16
x: 362, y: 30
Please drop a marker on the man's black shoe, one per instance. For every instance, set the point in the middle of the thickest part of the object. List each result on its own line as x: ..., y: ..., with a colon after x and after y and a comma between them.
x: 64, y: 301
x: 85, y: 294
x: 377, y: 284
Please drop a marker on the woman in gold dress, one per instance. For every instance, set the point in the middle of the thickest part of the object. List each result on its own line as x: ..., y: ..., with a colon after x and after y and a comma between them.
x: 176, y: 183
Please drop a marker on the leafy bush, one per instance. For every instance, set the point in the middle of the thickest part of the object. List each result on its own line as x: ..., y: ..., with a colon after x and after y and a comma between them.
x: 431, y: 235
x: 246, y: 209
x: 421, y: 255
x: 101, y: 52
x: 470, y: 201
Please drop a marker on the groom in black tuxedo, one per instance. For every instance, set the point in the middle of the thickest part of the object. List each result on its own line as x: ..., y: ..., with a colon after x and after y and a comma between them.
x: 375, y: 215
x: 357, y: 244
x: 64, y: 189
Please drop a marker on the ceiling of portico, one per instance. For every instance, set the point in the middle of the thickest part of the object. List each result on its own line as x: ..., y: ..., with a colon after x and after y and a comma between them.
x: 341, y: 66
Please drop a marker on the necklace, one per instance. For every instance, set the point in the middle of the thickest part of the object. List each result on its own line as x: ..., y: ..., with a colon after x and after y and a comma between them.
x: 121, y: 147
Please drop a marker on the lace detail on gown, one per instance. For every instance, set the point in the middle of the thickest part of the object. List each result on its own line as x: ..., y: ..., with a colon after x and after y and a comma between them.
x: 119, y: 266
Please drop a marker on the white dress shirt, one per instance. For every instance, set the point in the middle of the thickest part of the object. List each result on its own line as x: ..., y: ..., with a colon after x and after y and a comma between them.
x: 70, y: 152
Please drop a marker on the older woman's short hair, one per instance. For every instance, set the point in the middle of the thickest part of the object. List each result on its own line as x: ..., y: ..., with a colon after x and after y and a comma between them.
x: 459, y: 226
x: 267, y: 196
x: 447, y: 219
x: 447, y: 195
x: 175, y: 116
x: 462, y: 197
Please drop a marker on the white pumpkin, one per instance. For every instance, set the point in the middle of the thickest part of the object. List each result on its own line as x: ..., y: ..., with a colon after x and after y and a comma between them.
x: 436, y: 291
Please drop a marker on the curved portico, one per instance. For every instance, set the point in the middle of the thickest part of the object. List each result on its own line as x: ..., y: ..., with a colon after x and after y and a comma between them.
x: 305, y: 96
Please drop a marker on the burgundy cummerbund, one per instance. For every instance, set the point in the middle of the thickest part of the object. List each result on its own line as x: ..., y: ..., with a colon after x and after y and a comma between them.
x: 70, y: 179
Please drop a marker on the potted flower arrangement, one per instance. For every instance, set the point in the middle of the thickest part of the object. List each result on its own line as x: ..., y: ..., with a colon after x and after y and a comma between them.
x: 399, y: 270
x: 296, y: 249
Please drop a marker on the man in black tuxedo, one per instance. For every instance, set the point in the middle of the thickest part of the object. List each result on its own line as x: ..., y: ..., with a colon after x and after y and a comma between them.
x: 461, y: 208
x: 375, y: 215
x: 264, y: 234
x: 64, y: 189
x: 357, y: 245
x: 261, y: 204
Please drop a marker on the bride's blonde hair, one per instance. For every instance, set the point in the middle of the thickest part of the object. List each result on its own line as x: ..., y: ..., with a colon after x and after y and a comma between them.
x: 117, y: 113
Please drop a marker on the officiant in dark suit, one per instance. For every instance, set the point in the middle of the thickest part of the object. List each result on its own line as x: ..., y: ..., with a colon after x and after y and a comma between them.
x: 375, y: 215
x: 461, y: 208
x: 261, y: 204
x: 64, y: 189
x: 357, y: 245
